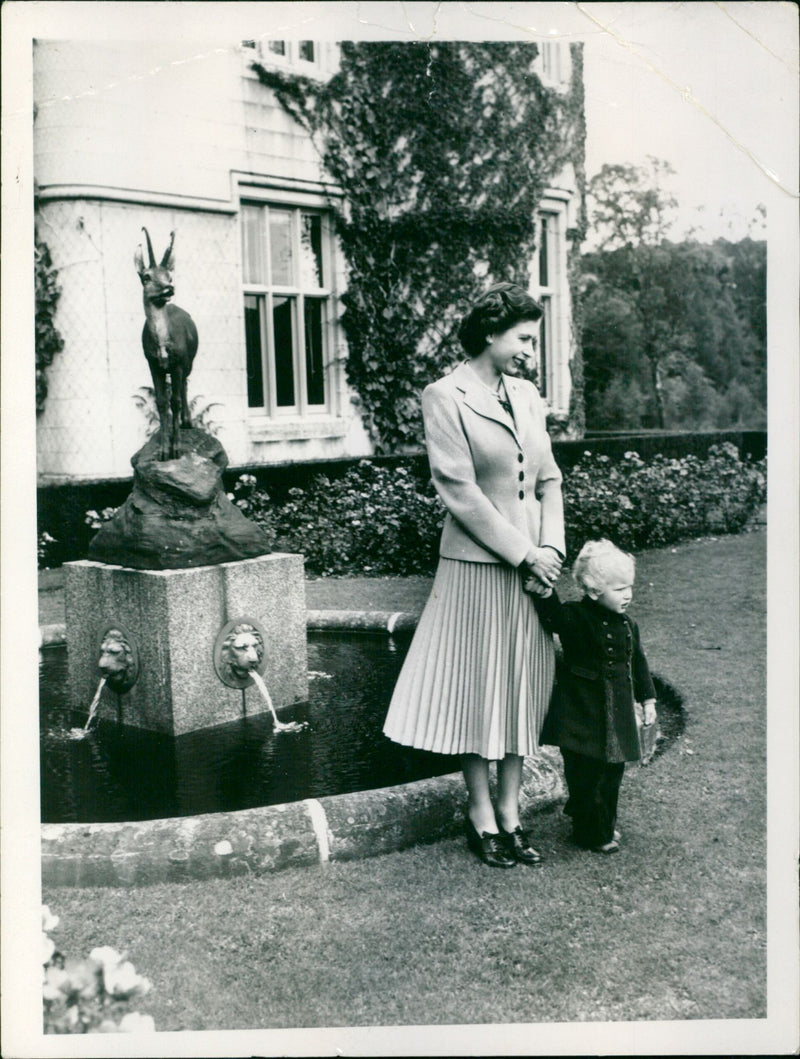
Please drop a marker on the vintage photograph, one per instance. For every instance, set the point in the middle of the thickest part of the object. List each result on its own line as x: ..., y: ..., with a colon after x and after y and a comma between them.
x: 401, y: 401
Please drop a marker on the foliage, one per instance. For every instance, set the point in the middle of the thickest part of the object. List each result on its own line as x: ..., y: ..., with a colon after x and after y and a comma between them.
x: 48, y: 341
x: 96, y: 519
x: 90, y: 995
x: 43, y: 542
x: 685, y: 322
x: 441, y: 151
x: 373, y: 520
x: 621, y: 406
x: 639, y: 504
x: 377, y: 520
x: 256, y: 504
x: 628, y: 205
x: 145, y: 400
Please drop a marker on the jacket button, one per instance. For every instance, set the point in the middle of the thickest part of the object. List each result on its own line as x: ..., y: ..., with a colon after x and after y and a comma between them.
x: 521, y: 495
x: 522, y: 476
x: 520, y: 457
x: 608, y: 635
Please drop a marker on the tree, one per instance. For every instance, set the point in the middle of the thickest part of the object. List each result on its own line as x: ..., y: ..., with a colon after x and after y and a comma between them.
x: 683, y: 320
x: 628, y: 206
x: 442, y: 152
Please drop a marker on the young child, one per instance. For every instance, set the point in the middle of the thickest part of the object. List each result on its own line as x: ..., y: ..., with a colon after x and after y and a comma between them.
x: 603, y: 679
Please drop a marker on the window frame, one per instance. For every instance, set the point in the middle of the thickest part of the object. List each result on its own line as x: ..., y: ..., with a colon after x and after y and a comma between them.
x: 556, y: 335
x: 258, y: 50
x: 548, y: 294
x: 266, y: 292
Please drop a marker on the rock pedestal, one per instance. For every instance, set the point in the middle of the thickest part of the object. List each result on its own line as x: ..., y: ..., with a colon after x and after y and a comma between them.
x: 174, y: 621
x: 178, y: 514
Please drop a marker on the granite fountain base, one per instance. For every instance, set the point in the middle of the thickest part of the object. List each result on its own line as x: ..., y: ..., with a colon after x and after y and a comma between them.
x: 173, y: 621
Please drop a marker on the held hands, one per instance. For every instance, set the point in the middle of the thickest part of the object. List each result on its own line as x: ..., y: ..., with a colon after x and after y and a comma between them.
x: 545, y: 564
x: 534, y: 586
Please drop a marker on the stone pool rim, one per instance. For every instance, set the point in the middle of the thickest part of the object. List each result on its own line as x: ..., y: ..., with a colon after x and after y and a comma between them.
x: 315, y: 831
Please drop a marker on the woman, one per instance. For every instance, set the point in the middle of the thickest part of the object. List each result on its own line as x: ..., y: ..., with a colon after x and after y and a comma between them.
x: 479, y: 672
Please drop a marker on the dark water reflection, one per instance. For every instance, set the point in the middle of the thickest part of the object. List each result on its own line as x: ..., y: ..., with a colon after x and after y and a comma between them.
x: 124, y: 774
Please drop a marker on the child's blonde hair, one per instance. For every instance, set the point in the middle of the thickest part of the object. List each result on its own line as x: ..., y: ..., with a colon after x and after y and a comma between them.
x: 598, y: 562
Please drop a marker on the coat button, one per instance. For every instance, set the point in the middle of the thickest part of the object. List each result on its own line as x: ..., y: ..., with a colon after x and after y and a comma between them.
x: 521, y: 495
x: 520, y: 457
x: 608, y: 635
x: 522, y: 476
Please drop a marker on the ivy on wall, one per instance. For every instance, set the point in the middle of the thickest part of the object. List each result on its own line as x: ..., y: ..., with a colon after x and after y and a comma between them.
x: 48, y: 341
x: 442, y: 152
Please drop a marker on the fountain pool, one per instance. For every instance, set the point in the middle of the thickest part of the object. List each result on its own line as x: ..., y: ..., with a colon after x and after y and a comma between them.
x: 118, y: 773
x: 334, y: 746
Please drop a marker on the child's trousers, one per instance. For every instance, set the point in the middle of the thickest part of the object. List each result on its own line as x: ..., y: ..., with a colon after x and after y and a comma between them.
x: 593, y: 792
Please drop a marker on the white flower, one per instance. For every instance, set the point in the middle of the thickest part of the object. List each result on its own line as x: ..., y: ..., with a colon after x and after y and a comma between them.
x: 107, y: 1026
x: 106, y: 956
x: 49, y: 921
x: 122, y: 981
x: 133, y: 1022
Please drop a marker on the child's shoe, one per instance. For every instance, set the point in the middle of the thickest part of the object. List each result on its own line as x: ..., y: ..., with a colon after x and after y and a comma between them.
x: 607, y: 847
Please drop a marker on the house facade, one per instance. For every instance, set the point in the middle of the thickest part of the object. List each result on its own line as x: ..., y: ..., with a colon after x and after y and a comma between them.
x: 194, y: 143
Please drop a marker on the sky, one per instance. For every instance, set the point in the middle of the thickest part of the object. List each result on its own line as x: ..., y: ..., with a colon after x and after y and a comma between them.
x: 711, y: 88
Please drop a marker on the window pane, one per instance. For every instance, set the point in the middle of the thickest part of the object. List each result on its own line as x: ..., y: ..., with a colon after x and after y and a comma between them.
x: 310, y: 251
x: 278, y: 46
x: 544, y: 345
x: 315, y: 370
x: 544, y: 270
x: 307, y: 50
x: 283, y: 337
x: 252, y: 245
x: 280, y: 239
x: 254, y: 347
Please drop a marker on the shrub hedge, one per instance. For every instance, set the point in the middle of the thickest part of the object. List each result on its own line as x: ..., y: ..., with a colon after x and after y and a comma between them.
x: 379, y: 520
x: 382, y: 516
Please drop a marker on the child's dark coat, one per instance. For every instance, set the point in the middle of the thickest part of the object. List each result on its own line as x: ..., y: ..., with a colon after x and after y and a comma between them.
x: 604, y: 671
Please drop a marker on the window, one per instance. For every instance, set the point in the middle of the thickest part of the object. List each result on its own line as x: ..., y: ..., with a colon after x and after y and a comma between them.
x: 309, y: 58
x: 299, y: 52
x: 286, y: 262
x: 553, y: 63
x: 548, y: 270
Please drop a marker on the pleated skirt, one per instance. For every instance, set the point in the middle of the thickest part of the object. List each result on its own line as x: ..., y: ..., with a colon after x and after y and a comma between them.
x: 479, y: 671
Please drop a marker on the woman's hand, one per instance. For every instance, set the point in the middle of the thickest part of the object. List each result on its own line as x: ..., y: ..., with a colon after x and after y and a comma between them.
x: 536, y: 587
x: 545, y: 564
x: 649, y: 710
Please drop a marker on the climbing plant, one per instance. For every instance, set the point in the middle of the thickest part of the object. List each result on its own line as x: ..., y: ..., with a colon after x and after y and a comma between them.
x: 441, y: 153
x: 48, y: 341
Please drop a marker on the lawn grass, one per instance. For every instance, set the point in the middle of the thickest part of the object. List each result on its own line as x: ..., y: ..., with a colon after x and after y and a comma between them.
x: 674, y: 927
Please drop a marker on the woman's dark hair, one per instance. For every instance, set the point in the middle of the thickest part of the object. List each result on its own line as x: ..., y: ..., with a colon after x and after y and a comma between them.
x: 501, y: 307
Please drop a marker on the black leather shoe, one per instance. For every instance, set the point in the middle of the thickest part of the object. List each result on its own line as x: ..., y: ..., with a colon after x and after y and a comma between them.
x: 518, y: 844
x: 489, y: 848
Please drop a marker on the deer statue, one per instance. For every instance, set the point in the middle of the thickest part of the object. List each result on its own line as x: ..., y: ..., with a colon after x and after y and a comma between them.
x: 169, y: 339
